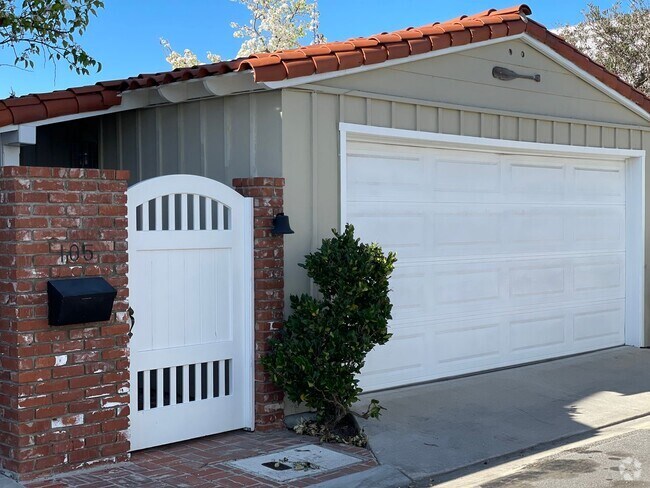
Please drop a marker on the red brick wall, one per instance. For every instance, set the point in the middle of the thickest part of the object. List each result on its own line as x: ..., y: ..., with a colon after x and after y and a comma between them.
x: 269, y: 291
x: 64, y: 391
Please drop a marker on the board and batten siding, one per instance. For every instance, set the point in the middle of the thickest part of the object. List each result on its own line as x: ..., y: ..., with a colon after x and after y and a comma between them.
x: 311, y: 142
x: 221, y: 138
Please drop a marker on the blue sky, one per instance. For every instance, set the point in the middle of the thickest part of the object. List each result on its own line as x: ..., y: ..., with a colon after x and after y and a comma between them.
x: 125, y: 36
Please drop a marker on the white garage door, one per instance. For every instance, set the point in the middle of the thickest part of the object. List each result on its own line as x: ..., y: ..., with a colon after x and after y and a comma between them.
x: 502, y: 259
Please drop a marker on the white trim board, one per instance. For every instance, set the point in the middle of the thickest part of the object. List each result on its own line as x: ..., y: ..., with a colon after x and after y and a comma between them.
x: 635, y: 194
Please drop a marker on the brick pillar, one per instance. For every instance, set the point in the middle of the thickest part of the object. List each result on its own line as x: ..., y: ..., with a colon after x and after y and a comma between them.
x: 269, y: 291
x: 64, y: 391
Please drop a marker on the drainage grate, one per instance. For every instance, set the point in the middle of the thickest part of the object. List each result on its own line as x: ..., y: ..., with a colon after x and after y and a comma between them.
x: 276, y: 466
x: 298, y: 462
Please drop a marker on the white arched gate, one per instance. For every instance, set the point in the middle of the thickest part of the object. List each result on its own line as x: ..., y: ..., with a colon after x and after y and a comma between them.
x: 190, y: 281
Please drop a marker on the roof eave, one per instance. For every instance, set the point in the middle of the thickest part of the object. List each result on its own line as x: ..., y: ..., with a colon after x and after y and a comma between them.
x: 170, y: 93
x: 304, y: 80
x: 525, y: 37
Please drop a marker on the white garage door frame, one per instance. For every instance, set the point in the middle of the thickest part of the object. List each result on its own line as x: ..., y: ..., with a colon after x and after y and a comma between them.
x: 634, y: 204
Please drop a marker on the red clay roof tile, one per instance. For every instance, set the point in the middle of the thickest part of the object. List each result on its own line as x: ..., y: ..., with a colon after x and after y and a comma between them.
x: 62, y: 106
x: 274, y: 72
x: 479, y: 34
x: 498, y: 30
x: 322, y: 58
x: 386, y: 38
x: 317, y: 50
x: 374, y: 55
x: 5, y: 117
x: 338, y: 47
x: 28, y: 113
x: 419, y: 46
x: 290, y: 55
x: 398, y: 50
x: 440, y: 42
x: 325, y: 64
x: 408, y: 34
x: 304, y: 67
x: 362, y: 42
x: 350, y: 59
x: 460, y: 38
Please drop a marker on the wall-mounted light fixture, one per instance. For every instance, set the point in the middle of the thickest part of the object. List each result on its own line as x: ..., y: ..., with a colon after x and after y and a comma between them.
x: 281, y: 225
x: 505, y: 74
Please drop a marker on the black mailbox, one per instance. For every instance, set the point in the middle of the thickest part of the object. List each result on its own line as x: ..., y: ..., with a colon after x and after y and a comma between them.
x: 79, y: 300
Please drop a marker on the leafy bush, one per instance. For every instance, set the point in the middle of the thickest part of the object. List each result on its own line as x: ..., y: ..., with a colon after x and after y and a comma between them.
x: 324, y: 342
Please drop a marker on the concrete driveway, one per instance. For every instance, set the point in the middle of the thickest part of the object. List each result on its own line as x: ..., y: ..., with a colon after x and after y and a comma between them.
x: 441, y: 427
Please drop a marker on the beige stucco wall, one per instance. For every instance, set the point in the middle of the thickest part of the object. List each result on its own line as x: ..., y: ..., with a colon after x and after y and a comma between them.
x: 452, y: 94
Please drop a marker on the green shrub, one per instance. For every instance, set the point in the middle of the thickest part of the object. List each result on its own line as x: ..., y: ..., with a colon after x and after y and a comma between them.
x: 324, y: 342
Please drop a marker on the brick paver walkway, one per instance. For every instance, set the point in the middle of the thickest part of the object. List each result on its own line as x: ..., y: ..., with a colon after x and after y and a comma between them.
x: 201, y: 463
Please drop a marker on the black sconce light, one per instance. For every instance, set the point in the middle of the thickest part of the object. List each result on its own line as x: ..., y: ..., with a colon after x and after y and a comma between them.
x: 281, y: 225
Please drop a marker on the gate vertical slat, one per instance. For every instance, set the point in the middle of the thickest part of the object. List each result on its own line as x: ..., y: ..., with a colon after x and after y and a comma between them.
x: 184, y: 197
x: 196, y: 209
x: 198, y: 376
x: 172, y: 386
x: 145, y: 216
x: 220, y: 216
x: 210, y: 381
x: 186, y: 383
x: 146, y: 391
x: 158, y: 217
x: 207, y: 202
x: 171, y: 214
x: 222, y: 378
x: 160, y: 388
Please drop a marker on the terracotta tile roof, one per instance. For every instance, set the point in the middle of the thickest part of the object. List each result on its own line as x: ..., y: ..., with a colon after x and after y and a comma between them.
x: 322, y: 58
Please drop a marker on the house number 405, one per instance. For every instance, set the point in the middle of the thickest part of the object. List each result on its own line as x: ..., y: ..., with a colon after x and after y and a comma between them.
x: 75, y: 252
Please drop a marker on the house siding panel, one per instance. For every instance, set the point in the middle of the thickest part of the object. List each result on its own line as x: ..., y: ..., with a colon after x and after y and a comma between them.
x: 465, y: 79
x: 231, y: 137
x: 311, y: 153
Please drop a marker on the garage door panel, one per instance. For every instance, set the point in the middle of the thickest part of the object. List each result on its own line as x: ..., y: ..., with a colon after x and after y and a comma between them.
x: 408, y: 228
x: 429, y: 175
x: 541, y: 332
x: 450, y: 177
x: 600, y: 183
x: 502, y: 259
x: 427, y: 290
x: 458, y: 228
x: 450, y: 347
x: 600, y: 227
x: 603, y: 276
x: 561, y: 180
x: 599, y: 323
x: 541, y: 180
x: 383, y: 178
x: 467, y: 341
x: 432, y: 231
x: 463, y: 286
x: 404, y: 357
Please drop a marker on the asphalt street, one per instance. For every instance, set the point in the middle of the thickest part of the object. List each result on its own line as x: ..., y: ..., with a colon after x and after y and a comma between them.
x: 618, y: 456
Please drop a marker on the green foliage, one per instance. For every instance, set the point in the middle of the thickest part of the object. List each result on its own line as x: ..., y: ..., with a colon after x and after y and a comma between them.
x: 323, y: 344
x: 49, y: 28
x: 617, y: 37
